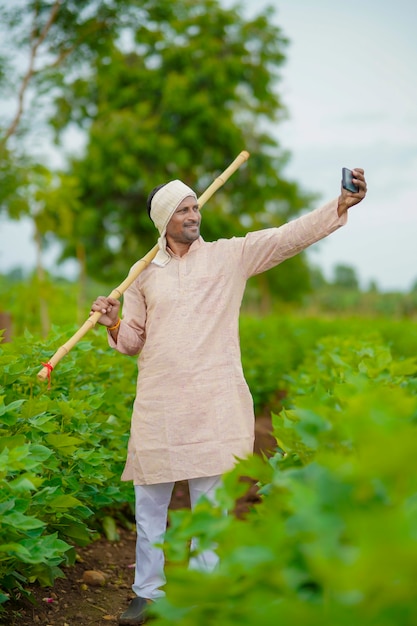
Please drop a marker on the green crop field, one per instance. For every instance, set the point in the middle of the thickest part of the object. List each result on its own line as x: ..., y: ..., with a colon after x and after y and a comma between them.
x: 333, y: 540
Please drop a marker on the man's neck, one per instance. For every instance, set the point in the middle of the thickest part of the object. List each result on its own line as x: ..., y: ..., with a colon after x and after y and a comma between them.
x: 178, y: 249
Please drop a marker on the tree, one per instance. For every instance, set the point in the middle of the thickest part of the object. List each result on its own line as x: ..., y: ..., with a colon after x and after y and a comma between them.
x: 19, y: 173
x: 317, y: 279
x: 373, y: 287
x: 166, y: 89
x: 345, y: 276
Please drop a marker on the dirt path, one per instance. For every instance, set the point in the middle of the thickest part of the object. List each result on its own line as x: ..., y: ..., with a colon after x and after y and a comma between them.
x: 71, y: 602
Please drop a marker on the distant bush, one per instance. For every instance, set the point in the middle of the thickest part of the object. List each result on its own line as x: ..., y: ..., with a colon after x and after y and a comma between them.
x: 21, y: 299
x: 274, y: 345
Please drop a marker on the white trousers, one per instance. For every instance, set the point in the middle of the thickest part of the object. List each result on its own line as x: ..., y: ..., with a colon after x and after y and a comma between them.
x: 151, y: 510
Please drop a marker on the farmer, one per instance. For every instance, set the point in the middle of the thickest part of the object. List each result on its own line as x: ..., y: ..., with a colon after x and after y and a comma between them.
x: 193, y: 412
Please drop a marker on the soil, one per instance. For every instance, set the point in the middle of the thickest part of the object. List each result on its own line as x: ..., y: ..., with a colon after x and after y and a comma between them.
x: 75, y: 601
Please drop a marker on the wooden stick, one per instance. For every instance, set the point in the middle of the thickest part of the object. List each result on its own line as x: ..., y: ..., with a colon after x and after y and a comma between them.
x: 45, y: 372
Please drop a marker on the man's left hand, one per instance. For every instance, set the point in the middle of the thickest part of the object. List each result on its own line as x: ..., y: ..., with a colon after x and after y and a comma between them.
x: 347, y: 198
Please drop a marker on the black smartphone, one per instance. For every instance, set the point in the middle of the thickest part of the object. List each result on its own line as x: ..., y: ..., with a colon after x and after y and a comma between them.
x: 347, y: 180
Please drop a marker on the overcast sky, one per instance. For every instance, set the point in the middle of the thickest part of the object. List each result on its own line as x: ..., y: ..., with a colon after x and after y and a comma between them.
x: 350, y: 86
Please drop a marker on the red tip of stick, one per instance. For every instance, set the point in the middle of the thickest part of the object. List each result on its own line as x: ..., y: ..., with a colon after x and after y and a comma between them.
x: 49, y: 368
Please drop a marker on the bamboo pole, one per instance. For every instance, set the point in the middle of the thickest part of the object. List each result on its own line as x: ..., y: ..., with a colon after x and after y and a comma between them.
x: 45, y: 372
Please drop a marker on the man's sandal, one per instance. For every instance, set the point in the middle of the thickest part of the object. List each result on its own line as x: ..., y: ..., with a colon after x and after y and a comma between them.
x: 136, y: 612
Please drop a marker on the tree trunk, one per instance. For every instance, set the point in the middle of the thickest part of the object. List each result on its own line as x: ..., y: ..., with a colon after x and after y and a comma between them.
x: 265, y: 302
x: 43, y: 307
x: 82, y: 283
x: 6, y: 325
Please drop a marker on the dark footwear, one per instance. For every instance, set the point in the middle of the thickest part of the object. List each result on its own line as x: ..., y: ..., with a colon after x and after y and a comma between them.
x: 136, y: 612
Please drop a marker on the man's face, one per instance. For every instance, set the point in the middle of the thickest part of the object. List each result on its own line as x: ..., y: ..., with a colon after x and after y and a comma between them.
x: 184, y: 225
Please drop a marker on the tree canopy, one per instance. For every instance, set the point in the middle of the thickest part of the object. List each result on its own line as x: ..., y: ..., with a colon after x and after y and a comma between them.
x: 161, y: 89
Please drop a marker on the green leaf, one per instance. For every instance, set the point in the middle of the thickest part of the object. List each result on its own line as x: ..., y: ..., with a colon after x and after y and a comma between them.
x: 6, y: 408
x: 21, y: 522
x: 67, y: 444
x: 22, y: 483
x: 14, y: 548
x: 43, y: 422
x: 79, y: 532
x: 405, y: 367
x: 6, y: 506
x: 8, y: 412
x: 46, y: 548
x: 39, y: 453
x: 12, y: 441
x: 44, y: 574
x: 64, y: 502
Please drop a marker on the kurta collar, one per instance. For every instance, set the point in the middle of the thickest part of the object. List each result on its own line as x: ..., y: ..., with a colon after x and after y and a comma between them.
x: 163, y: 260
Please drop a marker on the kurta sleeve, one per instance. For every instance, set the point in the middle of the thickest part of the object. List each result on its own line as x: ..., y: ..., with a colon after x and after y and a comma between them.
x: 131, y: 336
x: 264, y: 249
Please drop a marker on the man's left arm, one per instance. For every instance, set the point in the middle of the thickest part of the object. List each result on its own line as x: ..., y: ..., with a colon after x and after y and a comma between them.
x: 267, y: 248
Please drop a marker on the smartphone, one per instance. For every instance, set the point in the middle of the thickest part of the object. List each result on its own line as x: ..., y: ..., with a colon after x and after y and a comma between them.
x: 347, y: 180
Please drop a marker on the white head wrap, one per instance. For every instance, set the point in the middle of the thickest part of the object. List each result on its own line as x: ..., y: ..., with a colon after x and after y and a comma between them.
x: 163, y: 206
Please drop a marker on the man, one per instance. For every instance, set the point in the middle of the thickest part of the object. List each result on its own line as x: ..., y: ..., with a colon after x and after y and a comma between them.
x: 193, y: 412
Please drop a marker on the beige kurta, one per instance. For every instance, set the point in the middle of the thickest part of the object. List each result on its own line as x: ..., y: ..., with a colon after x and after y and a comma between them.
x: 193, y: 412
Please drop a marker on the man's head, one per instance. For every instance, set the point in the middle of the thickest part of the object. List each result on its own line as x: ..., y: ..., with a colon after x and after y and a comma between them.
x: 174, y: 210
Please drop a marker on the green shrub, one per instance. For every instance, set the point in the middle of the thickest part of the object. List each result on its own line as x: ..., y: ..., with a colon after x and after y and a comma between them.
x: 334, y: 540
x: 62, y: 451
x: 273, y: 346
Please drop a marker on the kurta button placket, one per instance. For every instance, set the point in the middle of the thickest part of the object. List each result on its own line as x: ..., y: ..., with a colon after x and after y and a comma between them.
x: 182, y: 282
